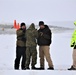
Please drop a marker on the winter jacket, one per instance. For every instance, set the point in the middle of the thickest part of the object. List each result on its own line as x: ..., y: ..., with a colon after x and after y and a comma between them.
x: 44, y: 36
x: 21, y: 39
x: 31, y: 36
x: 73, y: 39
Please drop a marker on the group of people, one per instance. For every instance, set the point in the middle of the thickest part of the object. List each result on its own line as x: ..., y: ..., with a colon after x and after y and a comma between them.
x: 27, y: 41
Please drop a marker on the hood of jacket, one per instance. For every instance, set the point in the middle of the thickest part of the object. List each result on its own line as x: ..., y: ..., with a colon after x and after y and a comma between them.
x: 32, y: 26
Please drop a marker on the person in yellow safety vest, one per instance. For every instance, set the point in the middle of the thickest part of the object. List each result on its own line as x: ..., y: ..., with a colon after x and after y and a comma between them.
x: 73, y: 44
x: 73, y: 40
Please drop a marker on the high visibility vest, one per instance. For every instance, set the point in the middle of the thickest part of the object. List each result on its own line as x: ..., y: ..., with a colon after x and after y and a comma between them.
x: 73, y: 39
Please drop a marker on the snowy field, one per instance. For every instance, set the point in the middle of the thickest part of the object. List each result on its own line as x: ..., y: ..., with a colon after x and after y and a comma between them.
x: 60, y: 50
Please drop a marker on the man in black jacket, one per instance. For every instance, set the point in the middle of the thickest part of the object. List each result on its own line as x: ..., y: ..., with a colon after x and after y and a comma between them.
x: 44, y: 41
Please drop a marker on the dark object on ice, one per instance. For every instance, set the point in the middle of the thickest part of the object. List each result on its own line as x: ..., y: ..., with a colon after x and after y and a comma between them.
x: 24, y: 69
x: 16, y: 68
x: 27, y: 68
x: 34, y: 68
x: 41, y: 68
x: 72, y: 68
x: 50, y: 68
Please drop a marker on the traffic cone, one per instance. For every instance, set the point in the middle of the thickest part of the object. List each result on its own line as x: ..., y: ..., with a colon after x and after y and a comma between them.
x: 15, y: 24
x: 18, y: 26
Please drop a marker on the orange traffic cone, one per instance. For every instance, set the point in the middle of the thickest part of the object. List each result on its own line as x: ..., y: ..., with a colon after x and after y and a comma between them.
x: 15, y: 24
x: 18, y: 26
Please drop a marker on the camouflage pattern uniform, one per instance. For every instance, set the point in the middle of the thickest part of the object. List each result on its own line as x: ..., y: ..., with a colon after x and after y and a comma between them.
x: 31, y: 35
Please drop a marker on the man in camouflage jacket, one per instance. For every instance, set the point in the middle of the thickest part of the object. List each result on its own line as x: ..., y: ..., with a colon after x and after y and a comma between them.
x: 31, y: 36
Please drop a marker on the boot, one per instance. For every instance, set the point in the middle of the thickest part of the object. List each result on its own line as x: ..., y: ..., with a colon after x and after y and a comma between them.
x: 27, y: 68
x: 34, y: 68
x: 23, y: 68
x: 72, y: 68
x: 50, y: 68
x: 41, y: 68
x: 16, y: 67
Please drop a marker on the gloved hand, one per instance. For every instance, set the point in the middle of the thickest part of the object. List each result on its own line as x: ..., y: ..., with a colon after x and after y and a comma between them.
x: 41, y: 33
x: 73, y: 44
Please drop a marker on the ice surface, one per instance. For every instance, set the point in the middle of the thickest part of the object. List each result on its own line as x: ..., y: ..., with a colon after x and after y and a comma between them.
x: 60, y: 50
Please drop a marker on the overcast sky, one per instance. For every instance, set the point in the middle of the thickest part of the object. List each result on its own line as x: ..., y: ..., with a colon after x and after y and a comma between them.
x: 36, y: 10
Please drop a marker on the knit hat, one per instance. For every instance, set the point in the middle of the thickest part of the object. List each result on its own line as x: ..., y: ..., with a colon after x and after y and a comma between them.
x: 41, y: 23
x: 23, y: 24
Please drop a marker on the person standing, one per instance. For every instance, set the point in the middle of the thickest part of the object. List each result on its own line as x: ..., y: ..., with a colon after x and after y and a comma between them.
x: 31, y: 51
x: 44, y: 41
x: 73, y: 44
x: 21, y: 47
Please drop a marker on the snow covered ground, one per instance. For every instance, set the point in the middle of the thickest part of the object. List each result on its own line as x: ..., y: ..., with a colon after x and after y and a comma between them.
x: 60, y: 51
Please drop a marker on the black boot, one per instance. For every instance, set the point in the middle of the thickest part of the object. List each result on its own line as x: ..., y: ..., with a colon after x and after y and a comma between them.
x: 41, y: 68
x: 23, y: 68
x: 72, y: 68
x: 27, y: 68
x: 16, y: 66
x: 34, y: 68
x: 50, y: 68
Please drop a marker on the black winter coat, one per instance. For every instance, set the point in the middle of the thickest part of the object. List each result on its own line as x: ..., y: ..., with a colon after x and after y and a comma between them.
x: 44, y: 36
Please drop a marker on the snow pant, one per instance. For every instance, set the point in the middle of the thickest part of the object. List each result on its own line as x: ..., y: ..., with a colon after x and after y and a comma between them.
x: 31, y: 52
x: 44, y: 51
x: 74, y: 57
x: 20, y: 52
